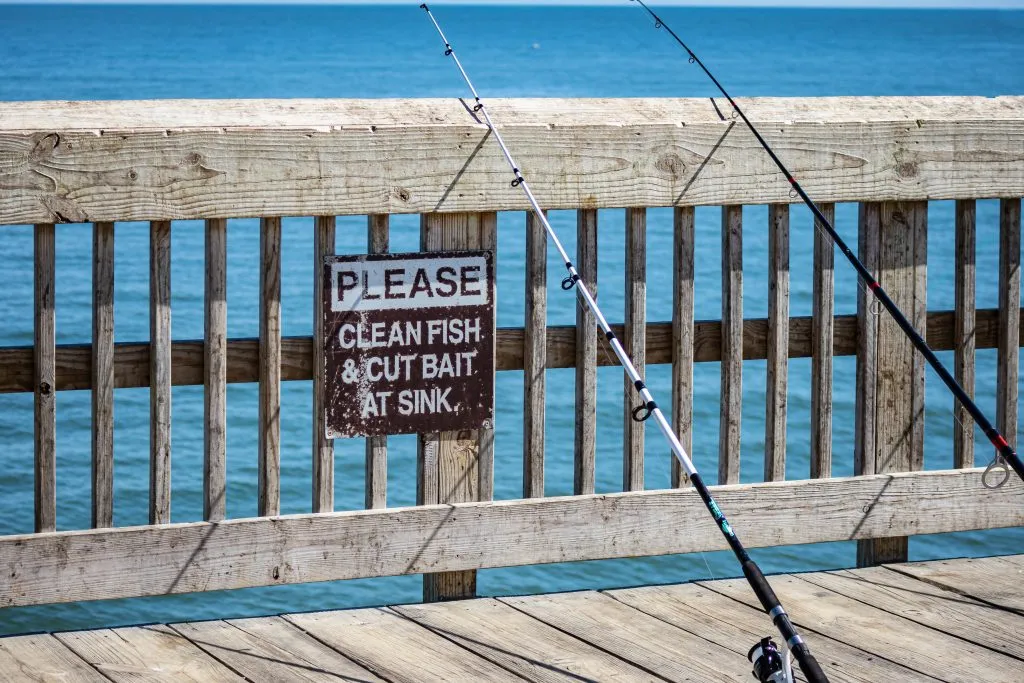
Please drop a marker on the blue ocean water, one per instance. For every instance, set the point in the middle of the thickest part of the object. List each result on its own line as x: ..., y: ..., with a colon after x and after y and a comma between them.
x: 129, y: 52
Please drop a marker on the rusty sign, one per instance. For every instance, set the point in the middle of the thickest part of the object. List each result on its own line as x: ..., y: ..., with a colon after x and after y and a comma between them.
x: 409, y: 342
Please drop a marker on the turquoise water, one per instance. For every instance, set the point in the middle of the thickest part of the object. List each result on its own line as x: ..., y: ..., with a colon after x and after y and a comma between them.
x: 236, y: 52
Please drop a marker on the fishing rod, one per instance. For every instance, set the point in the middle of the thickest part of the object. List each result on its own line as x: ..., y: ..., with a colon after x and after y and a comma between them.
x: 764, y: 654
x: 1005, y: 454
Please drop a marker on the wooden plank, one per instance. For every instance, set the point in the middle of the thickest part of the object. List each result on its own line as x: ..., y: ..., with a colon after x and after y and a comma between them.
x: 731, y: 402
x: 520, y: 643
x: 102, y: 375
x: 925, y: 603
x: 43, y: 658
x: 323, y: 448
x: 823, y: 309
x: 737, y: 626
x: 146, y: 653
x: 682, y: 335
x: 132, y: 359
x: 992, y: 580
x: 869, y: 226
x: 534, y: 356
x: 378, y: 229
x: 964, y: 330
x: 776, y: 389
x: 485, y: 435
x: 272, y: 649
x: 159, y: 373
x: 396, y: 648
x: 181, y: 558
x: 919, y: 318
x: 215, y: 371
x: 585, y: 358
x: 1009, y: 318
x: 269, y: 465
x: 44, y: 380
x: 633, y: 341
x: 629, y: 634
x: 871, y: 629
x: 200, y: 159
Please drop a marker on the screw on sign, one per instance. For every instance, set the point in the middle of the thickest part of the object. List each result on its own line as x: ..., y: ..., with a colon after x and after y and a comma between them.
x: 408, y: 342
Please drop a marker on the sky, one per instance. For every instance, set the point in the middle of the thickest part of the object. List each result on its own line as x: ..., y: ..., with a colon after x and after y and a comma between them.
x: 965, y: 4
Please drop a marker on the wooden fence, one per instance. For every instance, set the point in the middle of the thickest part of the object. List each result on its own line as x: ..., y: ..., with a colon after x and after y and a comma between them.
x: 99, y: 163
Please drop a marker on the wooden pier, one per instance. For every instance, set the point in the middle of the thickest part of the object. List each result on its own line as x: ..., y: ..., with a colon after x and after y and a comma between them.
x: 952, y: 620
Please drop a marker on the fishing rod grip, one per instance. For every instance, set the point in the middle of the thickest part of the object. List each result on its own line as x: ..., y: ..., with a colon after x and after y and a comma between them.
x: 808, y: 664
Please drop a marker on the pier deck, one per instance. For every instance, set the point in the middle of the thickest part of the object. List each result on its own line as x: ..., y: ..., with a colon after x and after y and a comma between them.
x: 950, y: 620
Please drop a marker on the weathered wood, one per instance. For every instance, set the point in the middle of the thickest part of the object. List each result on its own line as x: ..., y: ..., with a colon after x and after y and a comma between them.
x: 869, y: 226
x: 669, y: 652
x: 873, y: 630
x: 534, y: 356
x: 181, y: 558
x: 323, y: 448
x: 993, y: 580
x: 964, y: 330
x: 378, y: 233
x: 778, y: 344
x: 202, y: 158
x: 215, y: 371
x: 43, y: 658
x: 518, y: 642
x: 269, y: 442
x: 585, y: 358
x: 633, y: 341
x: 731, y: 402
x: 1009, y: 318
x: 823, y: 309
x: 396, y: 648
x: 44, y: 380
x: 682, y: 335
x: 272, y: 649
x: 919, y: 318
x: 141, y: 653
x: 485, y: 435
x: 102, y: 375
x: 159, y: 373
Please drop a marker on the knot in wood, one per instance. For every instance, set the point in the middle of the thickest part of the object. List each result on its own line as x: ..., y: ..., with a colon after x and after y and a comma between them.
x: 45, y: 389
x: 906, y: 169
x: 672, y: 164
x: 194, y: 159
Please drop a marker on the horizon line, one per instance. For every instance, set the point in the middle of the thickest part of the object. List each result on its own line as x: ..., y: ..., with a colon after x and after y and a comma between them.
x: 703, y: 4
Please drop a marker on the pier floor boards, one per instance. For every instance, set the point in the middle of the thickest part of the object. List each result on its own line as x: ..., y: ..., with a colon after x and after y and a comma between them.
x: 948, y: 620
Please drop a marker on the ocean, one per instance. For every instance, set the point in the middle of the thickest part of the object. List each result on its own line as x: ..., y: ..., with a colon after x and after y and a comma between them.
x: 77, y: 52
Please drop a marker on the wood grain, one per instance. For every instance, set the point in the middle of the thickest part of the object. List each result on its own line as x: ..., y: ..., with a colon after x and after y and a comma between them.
x: 323, y: 448
x: 964, y: 329
x: 204, y: 556
x: 1009, y: 319
x: 44, y: 379
x: 159, y: 372
x: 776, y: 386
x: 634, y: 343
x: 823, y: 309
x: 41, y: 657
x: 731, y: 402
x: 269, y: 441
x: 869, y: 226
x: 584, y: 356
x: 378, y: 233
x: 534, y: 356
x: 215, y: 371
x: 102, y: 396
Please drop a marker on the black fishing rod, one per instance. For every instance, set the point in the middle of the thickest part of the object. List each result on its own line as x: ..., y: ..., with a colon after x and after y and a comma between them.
x: 766, y: 658
x: 1005, y: 453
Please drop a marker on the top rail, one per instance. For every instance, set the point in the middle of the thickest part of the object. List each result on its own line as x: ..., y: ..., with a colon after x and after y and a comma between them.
x: 190, y: 159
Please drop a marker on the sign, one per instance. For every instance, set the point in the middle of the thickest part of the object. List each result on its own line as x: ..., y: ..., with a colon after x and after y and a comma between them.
x: 409, y: 342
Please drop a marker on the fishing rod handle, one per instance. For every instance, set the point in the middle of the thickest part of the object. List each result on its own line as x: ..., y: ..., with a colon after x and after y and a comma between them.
x: 808, y: 664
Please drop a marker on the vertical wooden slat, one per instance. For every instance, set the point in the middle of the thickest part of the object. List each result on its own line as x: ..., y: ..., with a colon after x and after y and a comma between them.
x: 778, y: 343
x: 323, y: 448
x: 732, y: 346
x: 867, y: 342
x: 919, y: 318
x: 377, y: 238
x: 449, y: 464
x: 682, y: 335
x: 160, y: 372
x: 102, y: 375
x: 1009, y: 318
x: 635, y: 343
x: 534, y: 357
x: 823, y: 307
x: 45, y: 381
x: 215, y: 371
x: 963, y: 330
x: 586, y: 355
x: 485, y: 435
x: 269, y: 478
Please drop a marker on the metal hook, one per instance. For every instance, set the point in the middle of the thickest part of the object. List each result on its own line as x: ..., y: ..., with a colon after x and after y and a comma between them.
x: 998, y: 463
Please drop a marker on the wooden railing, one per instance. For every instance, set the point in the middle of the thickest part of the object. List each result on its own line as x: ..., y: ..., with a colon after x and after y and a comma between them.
x: 100, y: 163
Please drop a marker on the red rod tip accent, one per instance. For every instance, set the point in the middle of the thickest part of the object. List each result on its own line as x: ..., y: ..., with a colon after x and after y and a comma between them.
x: 1000, y: 442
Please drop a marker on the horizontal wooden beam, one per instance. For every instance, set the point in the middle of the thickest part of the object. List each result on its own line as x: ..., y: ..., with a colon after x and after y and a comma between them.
x: 206, y: 556
x: 192, y: 159
x: 131, y: 359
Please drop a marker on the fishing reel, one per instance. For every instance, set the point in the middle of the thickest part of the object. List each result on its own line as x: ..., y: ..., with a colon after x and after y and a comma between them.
x: 769, y: 664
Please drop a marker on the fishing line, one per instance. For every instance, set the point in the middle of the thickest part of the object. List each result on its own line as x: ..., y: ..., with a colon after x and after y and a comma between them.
x: 649, y: 408
x: 1005, y: 454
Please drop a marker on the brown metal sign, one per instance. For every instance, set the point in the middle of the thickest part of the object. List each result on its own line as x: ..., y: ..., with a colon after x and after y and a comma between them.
x: 408, y: 342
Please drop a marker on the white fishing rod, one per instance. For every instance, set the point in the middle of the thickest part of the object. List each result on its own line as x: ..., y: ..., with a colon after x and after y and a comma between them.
x: 768, y: 665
